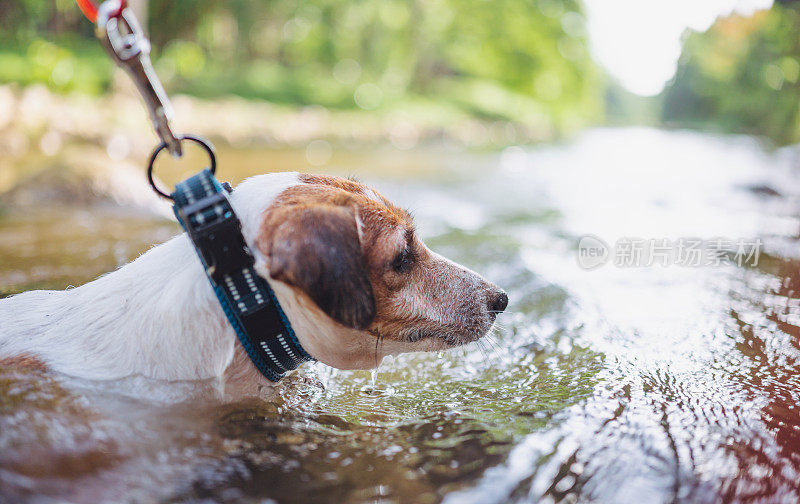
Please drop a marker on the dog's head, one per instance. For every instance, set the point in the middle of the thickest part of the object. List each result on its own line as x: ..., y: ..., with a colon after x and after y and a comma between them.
x: 357, y: 281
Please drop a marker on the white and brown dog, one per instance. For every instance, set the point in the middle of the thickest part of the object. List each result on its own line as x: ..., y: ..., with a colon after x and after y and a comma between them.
x: 346, y: 265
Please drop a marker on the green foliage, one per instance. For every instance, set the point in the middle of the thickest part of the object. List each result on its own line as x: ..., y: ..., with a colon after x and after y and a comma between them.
x: 61, y: 68
x: 523, y: 60
x: 742, y: 75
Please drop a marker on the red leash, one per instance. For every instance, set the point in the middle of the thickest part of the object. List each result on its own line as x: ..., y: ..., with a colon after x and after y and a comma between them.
x: 89, y: 9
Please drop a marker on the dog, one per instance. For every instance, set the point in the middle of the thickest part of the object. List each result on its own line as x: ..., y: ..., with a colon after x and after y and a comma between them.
x: 347, y: 266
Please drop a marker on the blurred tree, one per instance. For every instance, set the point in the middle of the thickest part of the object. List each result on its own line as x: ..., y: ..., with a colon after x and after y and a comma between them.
x: 524, y: 60
x: 742, y: 75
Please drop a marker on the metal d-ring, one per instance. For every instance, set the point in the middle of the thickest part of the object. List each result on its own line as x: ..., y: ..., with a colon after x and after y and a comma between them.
x: 163, y: 145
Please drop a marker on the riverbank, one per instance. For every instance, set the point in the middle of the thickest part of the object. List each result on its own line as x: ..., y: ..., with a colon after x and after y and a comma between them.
x: 75, y: 135
x: 34, y: 118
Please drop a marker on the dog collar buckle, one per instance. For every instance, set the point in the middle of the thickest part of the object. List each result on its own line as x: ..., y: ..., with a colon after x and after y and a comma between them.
x: 219, y: 237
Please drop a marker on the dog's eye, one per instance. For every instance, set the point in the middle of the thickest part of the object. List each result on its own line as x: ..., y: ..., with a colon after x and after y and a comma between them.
x: 402, y: 261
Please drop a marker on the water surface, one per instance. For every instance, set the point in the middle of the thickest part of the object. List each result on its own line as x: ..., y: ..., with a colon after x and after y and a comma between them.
x: 621, y: 384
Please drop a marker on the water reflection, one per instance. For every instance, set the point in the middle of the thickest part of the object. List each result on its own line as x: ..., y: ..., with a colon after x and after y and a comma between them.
x: 656, y: 384
x: 765, y: 329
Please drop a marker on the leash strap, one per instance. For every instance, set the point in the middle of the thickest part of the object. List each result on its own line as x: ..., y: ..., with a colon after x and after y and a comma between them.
x: 203, y: 209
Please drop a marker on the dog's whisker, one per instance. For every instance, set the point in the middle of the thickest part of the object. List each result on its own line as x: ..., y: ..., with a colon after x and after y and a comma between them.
x: 499, y: 325
x: 482, y: 349
x: 496, y: 349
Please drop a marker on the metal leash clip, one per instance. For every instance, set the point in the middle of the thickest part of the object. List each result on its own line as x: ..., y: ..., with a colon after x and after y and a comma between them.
x: 124, y: 39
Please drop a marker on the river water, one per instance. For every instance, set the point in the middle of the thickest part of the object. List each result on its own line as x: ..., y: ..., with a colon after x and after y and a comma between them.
x: 639, y: 380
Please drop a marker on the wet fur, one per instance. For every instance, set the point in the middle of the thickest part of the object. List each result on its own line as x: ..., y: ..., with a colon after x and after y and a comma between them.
x: 316, y: 249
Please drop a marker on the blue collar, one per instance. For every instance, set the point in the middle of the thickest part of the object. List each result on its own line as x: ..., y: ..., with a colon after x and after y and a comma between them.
x: 203, y: 209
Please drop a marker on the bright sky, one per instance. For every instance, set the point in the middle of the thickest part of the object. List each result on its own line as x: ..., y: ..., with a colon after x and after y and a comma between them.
x: 639, y: 41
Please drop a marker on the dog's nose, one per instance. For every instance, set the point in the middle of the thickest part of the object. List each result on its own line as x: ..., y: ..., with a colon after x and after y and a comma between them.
x: 498, y: 302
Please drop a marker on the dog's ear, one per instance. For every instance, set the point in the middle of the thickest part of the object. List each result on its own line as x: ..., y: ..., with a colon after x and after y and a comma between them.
x: 316, y: 248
